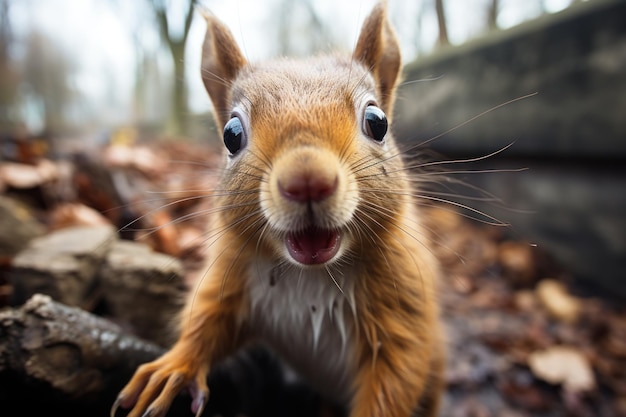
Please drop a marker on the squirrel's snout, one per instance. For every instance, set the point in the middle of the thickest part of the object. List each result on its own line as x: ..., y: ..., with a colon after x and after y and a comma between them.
x: 307, y: 186
x: 306, y: 175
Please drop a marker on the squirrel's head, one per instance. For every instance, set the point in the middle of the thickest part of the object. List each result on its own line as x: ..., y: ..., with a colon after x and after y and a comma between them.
x: 308, y: 144
x: 377, y: 51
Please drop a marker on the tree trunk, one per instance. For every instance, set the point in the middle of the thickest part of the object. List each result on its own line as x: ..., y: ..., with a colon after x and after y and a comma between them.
x: 443, y: 27
x: 492, y: 14
x: 179, y: 108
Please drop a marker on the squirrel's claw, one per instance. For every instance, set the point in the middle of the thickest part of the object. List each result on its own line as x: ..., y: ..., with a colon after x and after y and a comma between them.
x: 115, y: 406
x: 155, y: 385
x: 199, y: 402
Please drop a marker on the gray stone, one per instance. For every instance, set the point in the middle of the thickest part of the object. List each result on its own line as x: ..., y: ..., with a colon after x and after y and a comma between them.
x: 144, y: 289
x: 572, y: 199
x: 17, y: 227
x: 574, y: 60
x: 62, y: 264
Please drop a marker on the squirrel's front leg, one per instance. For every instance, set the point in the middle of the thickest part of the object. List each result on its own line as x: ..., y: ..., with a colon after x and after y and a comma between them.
x: 399, y: 354
x: 209, y: 332
x: 392, y: 387
x: 155, y: 385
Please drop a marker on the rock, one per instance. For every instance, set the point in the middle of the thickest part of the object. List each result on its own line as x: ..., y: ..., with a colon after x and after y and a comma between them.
x: 144, y: 289
x: 62, y: 264
x: 18, y: 227
x: 570, y: 136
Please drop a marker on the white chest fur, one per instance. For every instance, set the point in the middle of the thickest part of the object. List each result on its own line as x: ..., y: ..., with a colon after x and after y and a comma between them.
x: 307, y: 317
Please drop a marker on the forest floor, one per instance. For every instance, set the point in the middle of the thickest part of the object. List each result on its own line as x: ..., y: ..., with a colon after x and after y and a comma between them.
x: 523, y: 339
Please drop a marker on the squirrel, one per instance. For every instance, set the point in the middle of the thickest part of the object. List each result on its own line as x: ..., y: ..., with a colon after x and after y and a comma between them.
x: 318, y: 250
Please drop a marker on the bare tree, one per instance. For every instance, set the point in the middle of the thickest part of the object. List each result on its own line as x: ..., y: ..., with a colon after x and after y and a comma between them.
x: 419, y: 44
x: 47, y: 71
x: 8, y: 75
x: 284, y: 28
x: 492, y: 14
x: 147, y: 90
x: 5, y: 29
x: 300, y: 30
x: 443, y: 39
x: 176, y: 41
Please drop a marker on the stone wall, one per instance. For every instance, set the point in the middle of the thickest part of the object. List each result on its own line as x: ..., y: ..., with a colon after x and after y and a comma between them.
x: 571, y: 134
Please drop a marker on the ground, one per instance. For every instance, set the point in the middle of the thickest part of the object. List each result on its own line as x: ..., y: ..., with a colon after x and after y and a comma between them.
x: 523, y: 337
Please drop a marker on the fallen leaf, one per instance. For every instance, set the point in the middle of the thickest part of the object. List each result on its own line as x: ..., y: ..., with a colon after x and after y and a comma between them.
x: 563, y: 365
x: 24, y: 176
x: 525, y: 300
x: 518, y: 262
x: 75, y: 214
x: 557, y: 301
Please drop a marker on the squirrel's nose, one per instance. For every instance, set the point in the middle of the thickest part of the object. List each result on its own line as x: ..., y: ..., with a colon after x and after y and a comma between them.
x: 306, y: 187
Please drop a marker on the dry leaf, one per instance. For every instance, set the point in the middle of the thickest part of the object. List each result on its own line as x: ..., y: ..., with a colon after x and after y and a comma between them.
x: 518, y: 262
x: 557, y: 301
x: 525, y: 300
x: 23, y: 176
x: 142, y: 158
x: 75, y: 214
x: 563, y: 365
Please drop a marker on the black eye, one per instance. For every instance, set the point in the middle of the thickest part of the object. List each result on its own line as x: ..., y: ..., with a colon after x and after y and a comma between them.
x: 234, y: 135
x: 375, y: 123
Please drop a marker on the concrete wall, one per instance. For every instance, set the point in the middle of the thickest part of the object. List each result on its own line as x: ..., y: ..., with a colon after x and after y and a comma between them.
x: 571, y: 135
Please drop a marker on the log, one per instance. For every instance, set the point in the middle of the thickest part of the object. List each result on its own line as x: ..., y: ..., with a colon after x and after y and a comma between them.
x: 58, y: 357
x: 61, y: 358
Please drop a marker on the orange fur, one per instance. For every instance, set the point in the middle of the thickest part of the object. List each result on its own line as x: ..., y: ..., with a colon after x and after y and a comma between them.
x: 304, y: 122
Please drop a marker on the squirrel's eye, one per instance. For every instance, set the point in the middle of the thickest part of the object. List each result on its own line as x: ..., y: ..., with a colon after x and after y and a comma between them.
x: 375, y: 123
x: 234, y: 135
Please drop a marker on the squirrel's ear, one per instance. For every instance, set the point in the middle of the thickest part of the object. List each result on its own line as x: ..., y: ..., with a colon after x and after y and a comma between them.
x: 221, y: 61
x: 378, y: 49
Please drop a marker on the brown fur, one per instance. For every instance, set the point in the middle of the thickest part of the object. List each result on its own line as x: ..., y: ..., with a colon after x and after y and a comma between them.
x: 302, y: 121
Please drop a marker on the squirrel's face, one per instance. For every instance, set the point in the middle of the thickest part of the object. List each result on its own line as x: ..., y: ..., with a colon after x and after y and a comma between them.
x: 311, y: 138
x: 310, y: 158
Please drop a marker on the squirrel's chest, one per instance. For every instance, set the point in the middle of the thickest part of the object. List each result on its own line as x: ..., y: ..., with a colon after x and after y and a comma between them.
x: 307, y: 317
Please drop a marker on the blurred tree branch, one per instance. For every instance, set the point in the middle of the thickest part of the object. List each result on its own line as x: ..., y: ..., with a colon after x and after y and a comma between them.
x: 443, y: 38
x: 47, y: 70
x: 492, y: 14
x: 176, y: 45
x: 8, y: 75
x: 300, y: 29
x: 5, y: 30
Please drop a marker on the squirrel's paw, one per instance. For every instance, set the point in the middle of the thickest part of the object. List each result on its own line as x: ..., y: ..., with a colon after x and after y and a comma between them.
x: 155, y: 385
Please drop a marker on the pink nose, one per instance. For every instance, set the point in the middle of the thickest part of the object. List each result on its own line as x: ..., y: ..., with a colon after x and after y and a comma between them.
x: 305, y: 187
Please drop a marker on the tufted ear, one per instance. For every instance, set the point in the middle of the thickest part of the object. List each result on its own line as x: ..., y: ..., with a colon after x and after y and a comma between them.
x: 378, y: 49
x: 221, y: 62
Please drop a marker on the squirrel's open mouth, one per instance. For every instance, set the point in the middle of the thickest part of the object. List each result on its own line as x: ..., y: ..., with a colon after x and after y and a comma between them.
x: 313, y: 246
